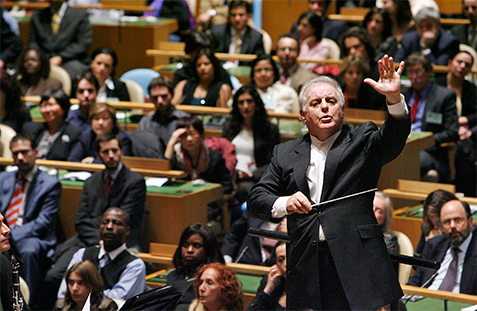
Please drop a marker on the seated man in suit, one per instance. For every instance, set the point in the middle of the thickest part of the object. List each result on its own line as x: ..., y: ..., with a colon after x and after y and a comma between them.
x: 455, y: 249
x: 116, y: 186
x: 30, y: 200
x: 291, y: 74
x: 241, y: 247
x: 429, y: 39
x: 161, y: 123
x: 467, y: 33
x: 433, y: 109
x: 236, y: 37
x: 124, y: 275
x: 64, y: 33
x: 86, y: 89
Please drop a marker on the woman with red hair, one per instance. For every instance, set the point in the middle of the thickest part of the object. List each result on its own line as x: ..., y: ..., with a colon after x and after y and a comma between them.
x: 217, y: 288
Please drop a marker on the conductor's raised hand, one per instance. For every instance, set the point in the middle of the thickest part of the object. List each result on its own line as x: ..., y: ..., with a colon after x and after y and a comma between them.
x: 298, y: 203
x: 389, y: 83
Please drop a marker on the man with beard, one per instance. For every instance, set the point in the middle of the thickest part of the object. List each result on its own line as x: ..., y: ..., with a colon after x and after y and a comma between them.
x: 161, y: 123
x: 124, y: 275
x: 456, y: 250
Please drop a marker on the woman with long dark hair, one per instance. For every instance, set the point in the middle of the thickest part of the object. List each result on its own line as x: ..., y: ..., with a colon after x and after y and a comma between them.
x: 12, y: 109
x: 378, y: 24
x: 310, y: 26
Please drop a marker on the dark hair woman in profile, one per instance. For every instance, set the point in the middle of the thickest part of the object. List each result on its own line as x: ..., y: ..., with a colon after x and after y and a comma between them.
x: 378, y: 24
x: 34, y: 73
x: 197, y: 246
x: 55, y: 137
x: 310, y: 26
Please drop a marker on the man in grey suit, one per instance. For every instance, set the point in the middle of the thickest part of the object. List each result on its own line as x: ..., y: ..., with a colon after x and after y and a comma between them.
x: 467, y: 33
x: 64, y: 33
x: 433, y: 109
x: 337, y: 256
x: 291, y: 74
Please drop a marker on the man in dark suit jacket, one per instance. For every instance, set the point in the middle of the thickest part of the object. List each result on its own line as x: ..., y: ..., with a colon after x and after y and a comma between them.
x: 460, y: 233
x: 223, y: 36
x: 127, y: 191
x: 68, y: 46
x: 429, y: 39
x: 337, y: 256
x: 10, y: 44
x: 436, y: 113
x: 33, y: 226
x: 467, y: 33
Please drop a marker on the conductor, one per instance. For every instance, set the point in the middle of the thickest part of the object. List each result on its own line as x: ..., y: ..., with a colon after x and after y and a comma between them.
x: 337, y: 258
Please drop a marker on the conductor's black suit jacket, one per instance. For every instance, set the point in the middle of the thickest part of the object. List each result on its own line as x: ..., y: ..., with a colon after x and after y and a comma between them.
x: 356, y: 243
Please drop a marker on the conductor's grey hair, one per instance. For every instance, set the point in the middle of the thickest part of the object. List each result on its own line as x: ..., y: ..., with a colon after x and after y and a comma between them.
x: 302, y: 99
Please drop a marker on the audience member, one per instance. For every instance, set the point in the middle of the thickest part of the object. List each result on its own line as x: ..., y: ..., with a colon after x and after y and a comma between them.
x: 55, y: 138
x: 103, y: 64
x: 116, y: 186
x: 12, y: 109
x: 176, y: 9
x: 102, y: 118
x: 291, y: 74
x: 358, y: 42
x: 188, y: 153
x: 276, y: 96
x: 433, y: 109
x: 197, y: 246
x: 254, y: 137
x: 205, y: 86
x: 10, y: 44
x: 34, y: 74
x: 383, y: 211
x: 236, y: 37
x: 358, y: 94
x: 466, y: 91
x: 467, y: 33
x: 431, y: 223
x: 163, y: 121
x: 429, y: 39
x: 194, y: 42
x: 378, y: 24
x: 86, y: 87
x: 311, y: 46
x: 123, y: 274
x: 401, y: 17
x: 64, y: 33
x: 30, y: 201
x: 332, y: 29
x: 217, y: 288
x: 272, y: 294
x: 84, y: 281
x: 456, y: 250
x: 212, y: 12
x: 241, y: 247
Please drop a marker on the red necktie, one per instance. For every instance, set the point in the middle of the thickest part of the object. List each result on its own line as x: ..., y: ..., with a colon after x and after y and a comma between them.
x: 107, y: 186
x: 285, y: 77
x: 415, y: 106
x: 12, y: 211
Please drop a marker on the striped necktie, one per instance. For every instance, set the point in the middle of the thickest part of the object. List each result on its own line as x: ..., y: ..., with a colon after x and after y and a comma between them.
x: 11, y: 214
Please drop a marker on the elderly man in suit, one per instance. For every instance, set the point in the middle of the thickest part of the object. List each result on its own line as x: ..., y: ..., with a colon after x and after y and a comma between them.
x: 337, y: 256
x: 30, y: 200
x: 433, y: 109
x: 467, y: 33
x: 64, y: 33
x: 236, y: 37
x: 455, y: 249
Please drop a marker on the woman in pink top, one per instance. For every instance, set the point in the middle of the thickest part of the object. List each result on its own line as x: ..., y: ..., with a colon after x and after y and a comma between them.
x: 312, y: 46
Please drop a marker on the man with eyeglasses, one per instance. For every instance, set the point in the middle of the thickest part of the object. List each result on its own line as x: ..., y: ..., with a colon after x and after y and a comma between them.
x: 433, y: 109
x: 291, y: 74
x: 455, y: 250
x: 86, y: 90
x: 162, y: 122
x: 467, y: 34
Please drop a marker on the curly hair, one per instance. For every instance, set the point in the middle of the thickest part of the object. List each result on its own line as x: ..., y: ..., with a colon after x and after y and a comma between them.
x: 44, y: 71
x: 231, y: 289
x: 211, y: 247
x: 91, y: 278
x: 363, y: 36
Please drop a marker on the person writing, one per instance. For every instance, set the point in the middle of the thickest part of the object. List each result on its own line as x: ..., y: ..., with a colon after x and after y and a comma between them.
x: 337, y: 256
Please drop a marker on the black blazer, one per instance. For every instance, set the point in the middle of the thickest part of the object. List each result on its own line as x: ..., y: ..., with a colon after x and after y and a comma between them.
x: 62, y: 146
x: 355, y: 240
x: 72, y: 40
x: 436, y: 249
x: 461, y: 32
x: 120, y: 91
x: 221, y: 37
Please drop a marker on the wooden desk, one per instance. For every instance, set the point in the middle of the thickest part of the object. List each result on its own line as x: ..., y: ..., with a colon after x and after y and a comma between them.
x: 129, y: 40
x: 407, y: 164
x: 167, y: 215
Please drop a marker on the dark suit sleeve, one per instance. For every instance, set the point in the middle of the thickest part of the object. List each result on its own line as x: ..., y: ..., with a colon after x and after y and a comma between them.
x: 11, y: 45
x: 83, y: 37
x: 49, y: 204
x: 87, y: 226
x: 120, y: 91
x: 234, y: 237
x: 449, y: 120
